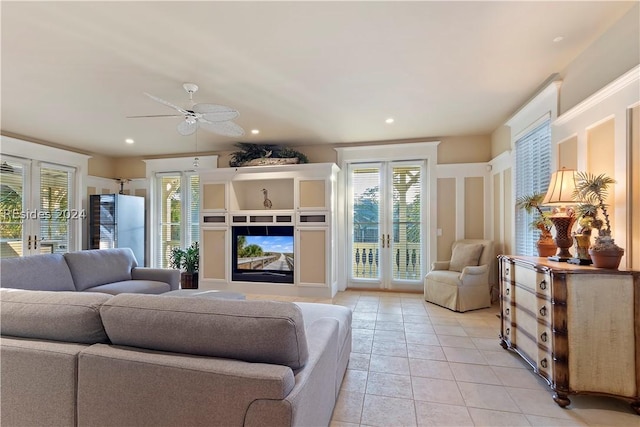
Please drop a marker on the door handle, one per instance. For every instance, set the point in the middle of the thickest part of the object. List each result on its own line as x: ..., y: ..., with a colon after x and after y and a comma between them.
x: 388, y: 244
x: 35, y: 242
x: 29, y: 242
x: 382, y: 241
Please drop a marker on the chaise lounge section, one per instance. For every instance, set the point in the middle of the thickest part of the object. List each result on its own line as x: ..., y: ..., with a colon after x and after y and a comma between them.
x: 91, y: 359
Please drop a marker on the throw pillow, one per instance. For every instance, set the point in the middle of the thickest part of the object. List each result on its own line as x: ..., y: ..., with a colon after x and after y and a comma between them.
x: 465, y: 254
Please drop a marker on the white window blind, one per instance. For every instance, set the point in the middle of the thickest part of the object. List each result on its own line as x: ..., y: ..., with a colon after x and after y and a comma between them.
x: 533, y: 171
x: 179, y: 211
x: 55, y: 212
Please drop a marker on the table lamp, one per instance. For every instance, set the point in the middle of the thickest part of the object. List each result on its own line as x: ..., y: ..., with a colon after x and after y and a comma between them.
x: 560, y: 194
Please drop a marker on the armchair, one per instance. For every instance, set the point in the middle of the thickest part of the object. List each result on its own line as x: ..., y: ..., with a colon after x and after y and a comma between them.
x: 462, y: 283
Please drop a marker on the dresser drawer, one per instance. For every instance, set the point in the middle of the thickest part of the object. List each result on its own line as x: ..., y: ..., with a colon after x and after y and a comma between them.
x: 545, y: 365
x: 533, y: 280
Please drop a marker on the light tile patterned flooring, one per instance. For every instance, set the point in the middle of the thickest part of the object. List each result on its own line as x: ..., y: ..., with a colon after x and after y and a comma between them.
x: 417, y: 364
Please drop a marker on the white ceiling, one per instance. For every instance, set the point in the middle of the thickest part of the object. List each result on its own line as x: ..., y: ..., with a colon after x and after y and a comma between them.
x: 300, y: 72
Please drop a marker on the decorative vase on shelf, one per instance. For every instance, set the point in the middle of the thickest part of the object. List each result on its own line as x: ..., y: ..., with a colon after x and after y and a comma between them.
x: 582, y: 243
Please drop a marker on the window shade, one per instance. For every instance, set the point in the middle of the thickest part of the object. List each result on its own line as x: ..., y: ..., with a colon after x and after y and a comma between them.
x: 533, y: 172
x: 55, y: 213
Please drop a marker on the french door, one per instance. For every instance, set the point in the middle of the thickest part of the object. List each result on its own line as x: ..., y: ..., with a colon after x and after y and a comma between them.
x: 36, y: 213
x: 386, y: 246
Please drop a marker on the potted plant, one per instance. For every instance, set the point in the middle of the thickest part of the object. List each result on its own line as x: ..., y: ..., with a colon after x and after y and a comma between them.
x: 591, y: 191
x: 265, y: 154
x: 532, y: 203
x: 187, y: 260
x: 587, y: 214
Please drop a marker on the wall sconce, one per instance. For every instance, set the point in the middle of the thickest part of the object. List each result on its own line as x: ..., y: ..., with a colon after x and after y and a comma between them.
x: 560, y: 194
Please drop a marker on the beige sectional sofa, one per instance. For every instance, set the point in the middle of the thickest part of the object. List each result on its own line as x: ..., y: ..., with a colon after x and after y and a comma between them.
x: 110, y: 271
x: 91, y: 359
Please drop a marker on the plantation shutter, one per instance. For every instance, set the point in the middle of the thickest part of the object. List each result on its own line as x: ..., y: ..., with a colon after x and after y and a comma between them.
x: 55, y: 213
x: 193, y: 209
x: 178, y: 213
x: 533, y: 172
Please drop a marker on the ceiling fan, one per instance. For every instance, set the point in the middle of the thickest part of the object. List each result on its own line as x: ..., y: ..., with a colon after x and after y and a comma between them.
x: 212, y: 117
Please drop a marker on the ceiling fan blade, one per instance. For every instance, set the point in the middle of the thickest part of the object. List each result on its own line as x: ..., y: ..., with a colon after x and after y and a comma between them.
x: 167, y: 103
x: 154, y: 115
x: 216, y: 113
x: 227, y: 128
x: 186, y: 128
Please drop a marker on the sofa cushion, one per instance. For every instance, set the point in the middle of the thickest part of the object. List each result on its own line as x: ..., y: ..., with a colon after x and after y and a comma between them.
x: 253, y: 331
x: 100, y: 266
x: 38, y: 272
x: 465, y: 254
x: 132, y: 286
x: 58, y: 316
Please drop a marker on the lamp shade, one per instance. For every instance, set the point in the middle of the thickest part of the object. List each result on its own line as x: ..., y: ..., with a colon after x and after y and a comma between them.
x: 561, y: 188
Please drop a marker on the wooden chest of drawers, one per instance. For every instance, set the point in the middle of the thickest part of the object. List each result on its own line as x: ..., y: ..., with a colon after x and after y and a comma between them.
x: 577, y: 326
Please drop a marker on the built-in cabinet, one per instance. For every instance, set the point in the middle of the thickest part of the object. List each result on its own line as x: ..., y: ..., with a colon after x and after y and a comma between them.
x: 299, y: 198
x: 577, y: 326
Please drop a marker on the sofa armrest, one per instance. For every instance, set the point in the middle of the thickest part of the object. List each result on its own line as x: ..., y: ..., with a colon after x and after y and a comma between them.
x: 167, y: 275
x: 312, y: 399
x: 440, y: 265
x: 475, y: 275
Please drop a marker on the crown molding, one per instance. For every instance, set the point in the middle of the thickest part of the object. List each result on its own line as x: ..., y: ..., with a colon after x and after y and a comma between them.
x: 628, y: 78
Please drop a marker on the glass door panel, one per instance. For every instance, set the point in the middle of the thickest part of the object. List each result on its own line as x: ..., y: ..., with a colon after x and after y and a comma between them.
x: 12, y: 213
x: 386, y: 225
x: 365, y: 182
x: 407, y: 245
x: 55, y: 211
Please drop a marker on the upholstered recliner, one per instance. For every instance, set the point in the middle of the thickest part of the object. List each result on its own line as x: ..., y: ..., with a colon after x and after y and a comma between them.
x: 462, y: 283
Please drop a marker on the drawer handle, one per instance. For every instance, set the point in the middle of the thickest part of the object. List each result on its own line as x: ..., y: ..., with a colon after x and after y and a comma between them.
x: 543, y: 363
x: 543, y: 337
x: 506, y: 312
x: 507, y: 331
x: 506, y: 271
x: 506, y: 291
x: 543, y: 285
x: 543, y: 311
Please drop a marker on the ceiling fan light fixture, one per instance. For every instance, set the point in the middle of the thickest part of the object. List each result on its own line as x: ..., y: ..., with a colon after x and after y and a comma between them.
x: 191, y: 88
x: 211, y: 117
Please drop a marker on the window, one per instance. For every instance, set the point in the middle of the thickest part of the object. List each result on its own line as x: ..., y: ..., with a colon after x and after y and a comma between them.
x: 37, y: 208
x: 178, y: 212
x: 533, y: 171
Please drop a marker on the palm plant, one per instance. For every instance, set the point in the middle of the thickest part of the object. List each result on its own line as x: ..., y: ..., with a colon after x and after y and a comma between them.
x: 592, y: 191
x: 532, y: 203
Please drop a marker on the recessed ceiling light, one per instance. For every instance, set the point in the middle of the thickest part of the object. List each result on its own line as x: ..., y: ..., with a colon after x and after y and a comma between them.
x: 129, y: 141
x: 255, y: 131
x: 389, y: 120
x: 558, y: 39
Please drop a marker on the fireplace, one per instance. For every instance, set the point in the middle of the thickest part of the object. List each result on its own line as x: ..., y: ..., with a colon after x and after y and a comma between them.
x: 262, y: 253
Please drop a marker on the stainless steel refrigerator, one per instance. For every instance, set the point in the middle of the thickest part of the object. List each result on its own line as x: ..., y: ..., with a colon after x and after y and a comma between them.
x: 117, y: 221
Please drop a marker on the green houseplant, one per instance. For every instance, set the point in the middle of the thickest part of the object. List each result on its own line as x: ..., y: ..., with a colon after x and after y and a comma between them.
x: 265, y: 154
x: 187, y: 260
x: 532, y: 204
x: 592, y: 191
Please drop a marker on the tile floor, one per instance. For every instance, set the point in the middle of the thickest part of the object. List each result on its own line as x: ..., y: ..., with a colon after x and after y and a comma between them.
x: 417, y: 364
